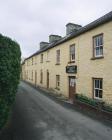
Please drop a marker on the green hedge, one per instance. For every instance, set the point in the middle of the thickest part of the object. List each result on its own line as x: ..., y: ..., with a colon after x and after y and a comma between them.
x: 10, y: 58
x: 93, y: 102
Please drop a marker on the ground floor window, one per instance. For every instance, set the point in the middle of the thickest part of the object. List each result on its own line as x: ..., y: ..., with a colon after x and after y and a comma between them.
x: 58, y: 81
x: 98, y: 88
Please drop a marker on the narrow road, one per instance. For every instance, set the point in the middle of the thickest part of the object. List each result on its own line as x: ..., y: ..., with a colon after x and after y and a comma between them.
x: 37, y: 117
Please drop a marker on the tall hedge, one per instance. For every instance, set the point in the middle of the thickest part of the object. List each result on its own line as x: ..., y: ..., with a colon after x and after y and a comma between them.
x: 10, y: 58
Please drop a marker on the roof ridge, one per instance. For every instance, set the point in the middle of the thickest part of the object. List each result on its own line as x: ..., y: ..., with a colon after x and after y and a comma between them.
x: 105, y: 18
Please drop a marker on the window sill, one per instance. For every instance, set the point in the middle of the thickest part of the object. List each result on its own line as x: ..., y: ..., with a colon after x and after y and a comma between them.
x: 71, y: 62
x: 57, y: 64
x: 97, y: 99
x: 47, y: 61
x: 94, y: 58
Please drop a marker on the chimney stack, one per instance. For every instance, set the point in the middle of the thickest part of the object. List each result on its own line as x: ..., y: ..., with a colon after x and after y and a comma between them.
x: 70, y: 27
x: 54, y: 38
x: 43, y: 45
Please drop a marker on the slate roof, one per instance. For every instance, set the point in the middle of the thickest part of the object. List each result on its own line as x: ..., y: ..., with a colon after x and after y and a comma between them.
x: 104, y: 19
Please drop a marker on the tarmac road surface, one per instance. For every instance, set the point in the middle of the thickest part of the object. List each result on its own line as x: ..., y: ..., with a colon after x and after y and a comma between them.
x: 38, y: 117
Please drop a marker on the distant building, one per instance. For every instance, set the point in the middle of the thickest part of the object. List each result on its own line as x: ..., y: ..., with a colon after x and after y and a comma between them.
x: 80, y: 62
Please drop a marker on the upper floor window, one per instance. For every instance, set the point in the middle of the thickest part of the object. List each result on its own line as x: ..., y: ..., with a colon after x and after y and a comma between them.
x: 47, y: 56
x: 58, y: 57
x: 98, y: 87
x: 35, y: 60
x: 98, y: 46
x: 32, y: 61
x: 72, y: 52
x: 41, y: 59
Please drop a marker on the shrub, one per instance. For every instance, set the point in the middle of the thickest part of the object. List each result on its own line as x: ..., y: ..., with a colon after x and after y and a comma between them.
x: 93, y: 102
x: 10, y: 57
x: 85, y: 99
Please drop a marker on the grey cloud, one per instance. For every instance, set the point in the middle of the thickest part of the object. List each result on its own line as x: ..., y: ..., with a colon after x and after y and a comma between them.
x: 31, y: 21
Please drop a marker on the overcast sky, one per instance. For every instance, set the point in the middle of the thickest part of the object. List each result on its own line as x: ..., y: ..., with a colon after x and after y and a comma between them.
x: 32, y: 21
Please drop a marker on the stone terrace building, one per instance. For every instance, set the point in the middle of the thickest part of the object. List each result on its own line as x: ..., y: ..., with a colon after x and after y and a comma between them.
x: 80, y: 62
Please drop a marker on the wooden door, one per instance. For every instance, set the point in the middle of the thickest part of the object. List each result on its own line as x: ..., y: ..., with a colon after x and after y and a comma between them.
x: 47, y: 79
x: 72, y: 87
x: 35, y: 78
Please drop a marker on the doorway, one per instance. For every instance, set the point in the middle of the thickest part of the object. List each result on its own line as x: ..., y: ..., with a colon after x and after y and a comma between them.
x: 72, y: 87
x: 35, y: 78
x: 47, y: 79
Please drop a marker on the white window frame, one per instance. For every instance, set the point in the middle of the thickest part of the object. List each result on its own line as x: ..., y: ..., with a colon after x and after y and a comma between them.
x: 98, y: 45
x: 98, y: 88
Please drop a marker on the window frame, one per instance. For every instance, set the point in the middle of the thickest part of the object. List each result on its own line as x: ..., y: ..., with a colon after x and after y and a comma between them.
x: 58, y: 56
x: 97, y: 88
x: 41, y: 76
x: 71, y: 54
x: 58, y: 82
x: 41, y: 58
x: 47, y: 57
x: 35, y: 60
x: 32, y: 60
x: 100, y: 47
